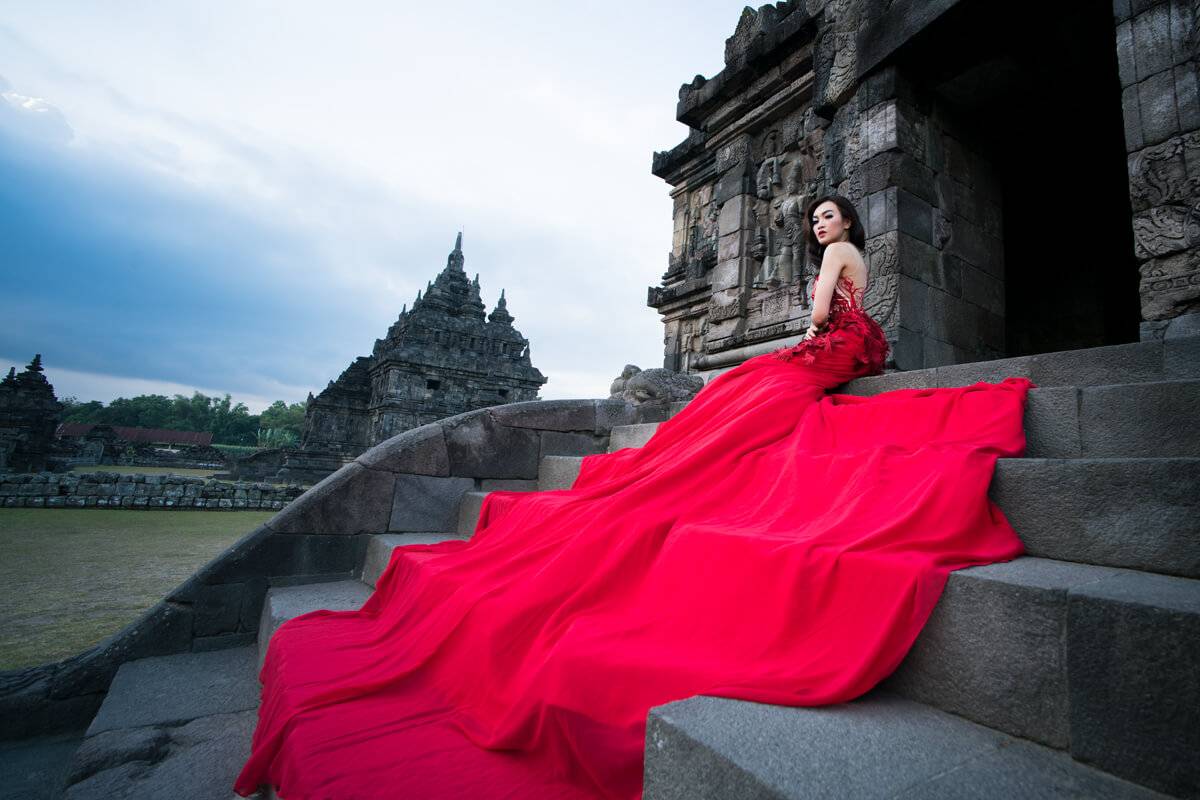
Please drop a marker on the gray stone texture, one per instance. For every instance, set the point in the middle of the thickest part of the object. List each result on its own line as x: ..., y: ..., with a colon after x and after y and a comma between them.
x: 202, y: 761
x: 352, y: 500
x: 468, y: 512
x: 1137, y: 513
x: 288, y: 602
x: 1052, y: 422
x: 36, y: 769
x: 427, y: 504
x: 559, y: 443
x: 558, y: 472
x: 480, y: 447
x: 631, y: 435
x: 548, y: 415
x: 379, y: 551
x: 1140, y: 419
x: 1134, y: 659
x: 170, y: 690
x: 100, y: 490
x: 420, y: 451
x: 992, y: 651
x: 879, y: 747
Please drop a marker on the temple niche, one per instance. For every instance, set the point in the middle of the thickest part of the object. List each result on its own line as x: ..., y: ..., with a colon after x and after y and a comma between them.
x: 935, y: 119
x: 442, y: 357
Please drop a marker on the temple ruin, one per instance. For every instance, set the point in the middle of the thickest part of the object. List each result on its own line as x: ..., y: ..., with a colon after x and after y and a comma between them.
x: 442, y: 357
x: 997, y: 165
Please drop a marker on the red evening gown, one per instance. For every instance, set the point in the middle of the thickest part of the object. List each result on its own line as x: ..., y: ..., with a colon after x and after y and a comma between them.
x: 771, y: 542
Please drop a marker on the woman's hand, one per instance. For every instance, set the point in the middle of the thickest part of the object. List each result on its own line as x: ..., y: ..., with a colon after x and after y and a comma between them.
x: 812, y: 331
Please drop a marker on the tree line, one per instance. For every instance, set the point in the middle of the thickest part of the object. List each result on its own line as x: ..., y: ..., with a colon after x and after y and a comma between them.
x: 229, y: 422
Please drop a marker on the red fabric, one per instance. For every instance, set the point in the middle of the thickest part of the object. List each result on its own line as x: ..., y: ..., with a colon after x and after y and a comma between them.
x: 771, y: 542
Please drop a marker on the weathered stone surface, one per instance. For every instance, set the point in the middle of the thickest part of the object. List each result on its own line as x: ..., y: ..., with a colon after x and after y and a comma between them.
x: 480, y: 447
x: 352, y: 500
x: 1140, y: 420
x: 659, y: 386
x: 35, y: 769
x: 169, y: 690
x: 558, y: 472
x: 1137, y: 513
x: 548, y: 415
x: 992, y: 651
x: 610, y: 413
x: 468, y: 512
x: 1052, y: 422
x: 878, y: 746
x: 631, y: 435
x: 420, y: 451
x: 1134, y: 657
x: 507, y: 485
x: 426, y: 503
x: 204, y: 759
x: 379, y: 551
x: 112, y: 748
x: 219, y: 609
x: 288, y: 602
x: 558, y: 443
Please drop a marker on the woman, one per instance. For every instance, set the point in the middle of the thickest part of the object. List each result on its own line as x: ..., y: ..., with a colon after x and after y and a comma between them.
x: 771, y: 542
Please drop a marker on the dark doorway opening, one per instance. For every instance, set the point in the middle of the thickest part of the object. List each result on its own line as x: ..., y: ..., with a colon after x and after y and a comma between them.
x: 1037, y: 93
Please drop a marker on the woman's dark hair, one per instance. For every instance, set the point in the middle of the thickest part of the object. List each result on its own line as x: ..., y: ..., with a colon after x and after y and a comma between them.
x: 858, y: 235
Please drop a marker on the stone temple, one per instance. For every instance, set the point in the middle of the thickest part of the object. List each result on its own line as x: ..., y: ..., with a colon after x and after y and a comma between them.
x: 29, y: 413
x: 1026, y: 186
x: 442, y: 357
x: 1030, y: 187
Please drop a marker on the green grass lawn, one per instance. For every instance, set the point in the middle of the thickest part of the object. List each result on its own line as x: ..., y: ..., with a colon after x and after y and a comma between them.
x: 200, y: 473
x: 71, y: 577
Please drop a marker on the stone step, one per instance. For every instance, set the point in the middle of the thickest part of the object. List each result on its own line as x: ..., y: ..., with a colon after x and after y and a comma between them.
x: 880, y: 746
x: 1099, y: 661
x: 631, y: 435
x: 380, y: 547
x: 171, y: 726
x: 1135, y: 362
x: 468, y: 512
x: 287, y: 602
x: 1138, y: 513
x: 558, y: 472
x: 1128, y: 420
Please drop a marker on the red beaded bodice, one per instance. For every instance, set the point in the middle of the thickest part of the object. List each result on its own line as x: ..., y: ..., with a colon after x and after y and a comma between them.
x: 848, y: 324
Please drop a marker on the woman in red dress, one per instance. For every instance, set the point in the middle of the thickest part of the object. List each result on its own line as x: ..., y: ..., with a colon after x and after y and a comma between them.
x: 772, y: 542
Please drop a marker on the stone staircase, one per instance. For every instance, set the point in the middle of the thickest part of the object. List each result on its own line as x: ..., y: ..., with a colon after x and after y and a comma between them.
x: 1072, y: 671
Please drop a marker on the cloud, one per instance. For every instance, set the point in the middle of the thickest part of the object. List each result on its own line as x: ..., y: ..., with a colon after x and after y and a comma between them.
x: 32, y: 117
x: 207, y: 201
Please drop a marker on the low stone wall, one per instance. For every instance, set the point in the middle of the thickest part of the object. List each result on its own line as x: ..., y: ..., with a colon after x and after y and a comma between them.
x: 158, y: 492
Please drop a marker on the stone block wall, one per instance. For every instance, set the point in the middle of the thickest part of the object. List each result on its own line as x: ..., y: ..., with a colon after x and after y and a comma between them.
x: 1158, y: 48
x: 109, y: 490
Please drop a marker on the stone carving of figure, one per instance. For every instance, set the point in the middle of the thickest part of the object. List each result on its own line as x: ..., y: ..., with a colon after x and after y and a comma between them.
x: 657, y: 386
x: 618, y: 385
x: 789, y: 217
x: 768, y: 176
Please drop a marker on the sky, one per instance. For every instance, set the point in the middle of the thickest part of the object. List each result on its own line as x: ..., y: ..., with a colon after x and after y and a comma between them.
x: 239, y: 197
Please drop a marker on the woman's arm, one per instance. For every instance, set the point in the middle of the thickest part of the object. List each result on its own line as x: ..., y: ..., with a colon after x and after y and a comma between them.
x: 831, y: 269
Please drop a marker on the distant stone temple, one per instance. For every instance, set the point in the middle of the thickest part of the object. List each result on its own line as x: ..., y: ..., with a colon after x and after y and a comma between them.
x: 1025, y: 187
x: 442, y: 357
x: 29, y: 413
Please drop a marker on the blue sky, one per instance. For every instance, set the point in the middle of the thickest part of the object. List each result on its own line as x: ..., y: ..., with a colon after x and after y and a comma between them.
x: 239, y: 197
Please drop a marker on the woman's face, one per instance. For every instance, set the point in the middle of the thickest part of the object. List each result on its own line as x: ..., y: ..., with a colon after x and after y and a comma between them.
x: 828, y: 224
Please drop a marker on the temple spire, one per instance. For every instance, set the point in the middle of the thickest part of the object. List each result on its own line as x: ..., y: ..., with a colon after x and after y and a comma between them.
x: 455, y: 259
x: 500, y: 315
